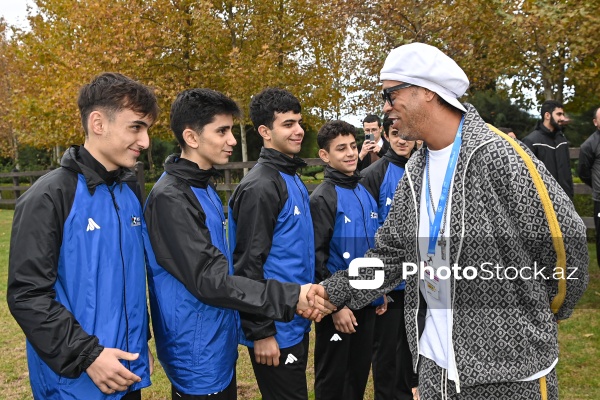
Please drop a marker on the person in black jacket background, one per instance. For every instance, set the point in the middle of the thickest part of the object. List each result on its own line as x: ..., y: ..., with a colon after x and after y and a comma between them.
x: 190, y: 273
x: 372, y: 150
x: 550, y: 145
x: 589, y: 172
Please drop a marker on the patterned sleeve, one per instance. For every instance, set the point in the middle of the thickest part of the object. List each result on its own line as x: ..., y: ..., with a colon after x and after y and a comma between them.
x: 388, y: 248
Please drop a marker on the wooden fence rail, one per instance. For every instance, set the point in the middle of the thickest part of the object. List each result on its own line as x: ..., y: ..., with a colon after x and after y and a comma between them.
x: 18, y: 189
x: 227, y: 185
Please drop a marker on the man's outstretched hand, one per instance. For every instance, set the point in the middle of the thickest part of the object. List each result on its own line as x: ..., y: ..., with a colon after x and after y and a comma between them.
x: 312, y: 302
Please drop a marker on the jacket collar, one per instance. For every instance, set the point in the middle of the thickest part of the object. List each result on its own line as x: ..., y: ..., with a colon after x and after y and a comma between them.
x: 189, y: 171
x: 89, y: 167
x: 340, y: 179
x: 475, y: 134
x: 86, y: 158
x: 280, y: 161
x: 395, y: 159
x: 542, y: 128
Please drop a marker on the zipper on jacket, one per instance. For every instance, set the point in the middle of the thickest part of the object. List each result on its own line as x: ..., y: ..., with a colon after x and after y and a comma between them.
x: 412, y: 189
x: 457, y: 381
x: 364, y: 219
x: 124, y: 277
x: 304, y: 200
x: 223, y: 239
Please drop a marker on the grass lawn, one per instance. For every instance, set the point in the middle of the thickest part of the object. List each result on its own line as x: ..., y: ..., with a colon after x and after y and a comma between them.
x: 577, y: 369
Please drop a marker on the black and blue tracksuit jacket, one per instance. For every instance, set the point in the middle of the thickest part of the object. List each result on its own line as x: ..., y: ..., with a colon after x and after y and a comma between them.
x: 77, y: 280
x: 192, y: 291
x: 345, y: 222
x: 271, y: 236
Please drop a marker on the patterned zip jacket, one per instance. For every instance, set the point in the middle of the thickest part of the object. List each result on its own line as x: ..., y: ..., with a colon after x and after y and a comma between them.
x: 503, y: 329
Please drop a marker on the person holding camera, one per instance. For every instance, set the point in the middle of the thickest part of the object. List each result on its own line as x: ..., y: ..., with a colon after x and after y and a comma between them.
x: 374, y: 146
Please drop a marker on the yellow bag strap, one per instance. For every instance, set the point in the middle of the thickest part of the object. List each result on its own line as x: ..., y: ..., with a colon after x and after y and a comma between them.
x: 557, y: 239
x: 543, y: 388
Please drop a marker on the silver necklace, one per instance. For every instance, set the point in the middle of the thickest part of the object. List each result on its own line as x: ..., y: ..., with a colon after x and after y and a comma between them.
x: 442, y: 240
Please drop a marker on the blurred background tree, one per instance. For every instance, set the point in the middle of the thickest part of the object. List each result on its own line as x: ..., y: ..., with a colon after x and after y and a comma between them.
x: 516, y: 54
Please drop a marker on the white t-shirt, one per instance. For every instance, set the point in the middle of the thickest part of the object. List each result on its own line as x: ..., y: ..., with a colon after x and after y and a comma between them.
x: 436, y: 341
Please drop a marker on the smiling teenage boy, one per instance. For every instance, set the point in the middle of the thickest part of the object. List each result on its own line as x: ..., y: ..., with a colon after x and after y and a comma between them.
x: 272, y: 237
x: 189, y: 274
x: 345, y: 221
x: 77, y: 282
x: 392, y: 372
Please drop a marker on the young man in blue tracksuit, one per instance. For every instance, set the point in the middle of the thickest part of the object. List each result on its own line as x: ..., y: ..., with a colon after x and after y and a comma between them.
x: 77, y: 281
x: 272, y: 237
x: 392, y: 371
x: 345, y: 221
x: 189, y: 268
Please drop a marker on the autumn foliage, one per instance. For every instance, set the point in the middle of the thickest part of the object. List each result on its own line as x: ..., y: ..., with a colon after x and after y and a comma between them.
x: 328, y: 53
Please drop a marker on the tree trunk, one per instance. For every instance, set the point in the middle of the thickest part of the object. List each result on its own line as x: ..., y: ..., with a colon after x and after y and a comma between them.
x: 149, y: 154
x: 560, y: 96
x: 244, y: 145
x: 57, y: 151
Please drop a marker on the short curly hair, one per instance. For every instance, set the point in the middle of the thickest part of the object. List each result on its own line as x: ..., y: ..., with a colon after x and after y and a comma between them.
x: 333, y: 129
x: 270, y: 101
x: 195, y: 108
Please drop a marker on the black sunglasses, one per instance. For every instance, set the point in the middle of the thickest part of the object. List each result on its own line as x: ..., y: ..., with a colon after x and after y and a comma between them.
x: 386, y: 93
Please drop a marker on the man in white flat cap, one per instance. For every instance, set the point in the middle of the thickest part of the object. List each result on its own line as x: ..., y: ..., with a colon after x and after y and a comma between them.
x: 468, y: 216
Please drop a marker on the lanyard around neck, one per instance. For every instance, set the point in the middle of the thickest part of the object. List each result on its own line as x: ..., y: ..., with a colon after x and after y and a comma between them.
x: 436, y: 222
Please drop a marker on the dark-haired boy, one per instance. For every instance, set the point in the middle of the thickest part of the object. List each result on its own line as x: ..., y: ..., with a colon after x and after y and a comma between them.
x: 345, y: 221
x: 77, y: 281
x: 392, y: 371
x: 189, y: 272
x: 271, y: 236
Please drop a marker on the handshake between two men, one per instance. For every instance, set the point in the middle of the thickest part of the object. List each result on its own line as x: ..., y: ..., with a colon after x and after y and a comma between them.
x: 313, y: 302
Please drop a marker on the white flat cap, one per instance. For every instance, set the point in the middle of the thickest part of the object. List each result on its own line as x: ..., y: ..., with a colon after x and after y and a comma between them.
x: 426, y: 66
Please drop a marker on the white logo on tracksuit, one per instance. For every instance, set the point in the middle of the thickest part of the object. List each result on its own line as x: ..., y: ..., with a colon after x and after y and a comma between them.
x: 92, y: 225
x: 290, y: 359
